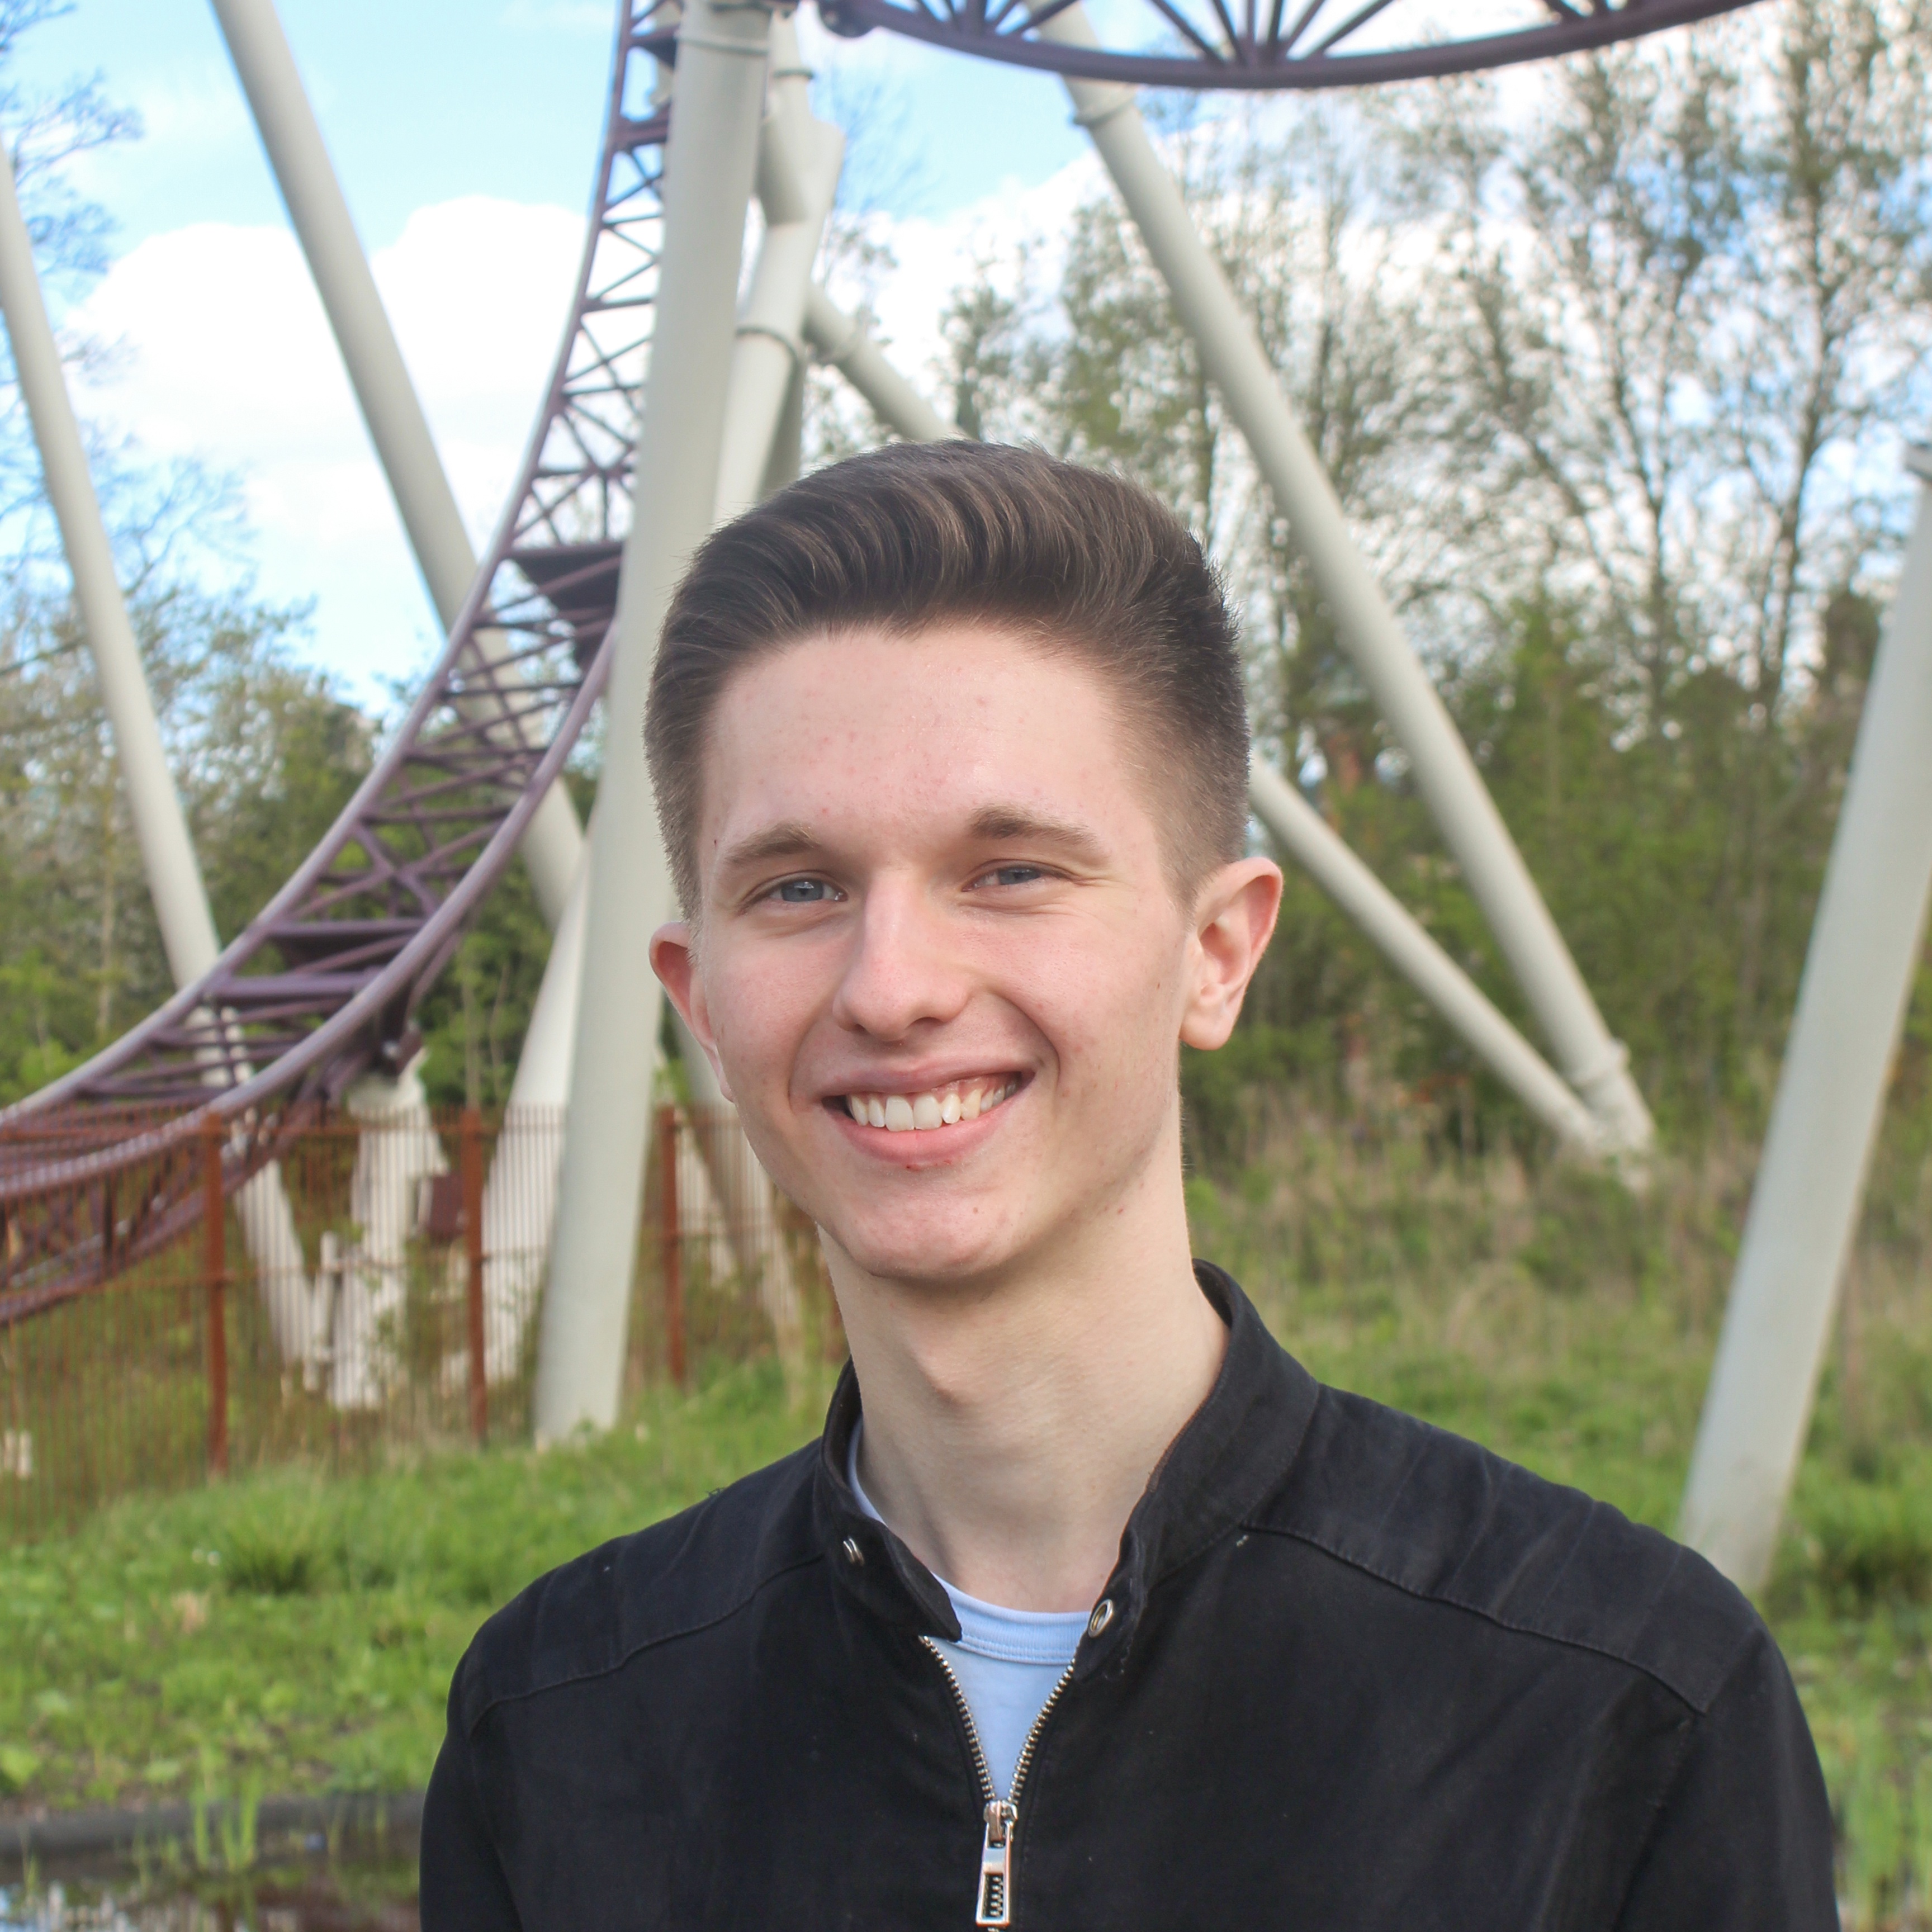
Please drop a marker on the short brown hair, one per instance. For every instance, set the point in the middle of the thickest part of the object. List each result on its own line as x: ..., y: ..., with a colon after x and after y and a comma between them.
x: 916, y: 534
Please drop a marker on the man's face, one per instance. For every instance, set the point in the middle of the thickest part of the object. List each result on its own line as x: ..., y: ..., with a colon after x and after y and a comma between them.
x: 942, y: 969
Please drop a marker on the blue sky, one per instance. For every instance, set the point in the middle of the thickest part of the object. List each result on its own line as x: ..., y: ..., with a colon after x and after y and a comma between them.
x: 465, y: 136
x: 426, y: 100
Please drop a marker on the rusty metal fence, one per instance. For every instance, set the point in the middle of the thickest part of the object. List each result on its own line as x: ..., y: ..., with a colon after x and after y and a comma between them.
x: 407, y: 1320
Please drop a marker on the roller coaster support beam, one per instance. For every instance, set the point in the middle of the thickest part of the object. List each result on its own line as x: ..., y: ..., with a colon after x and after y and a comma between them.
x: 843, y: 342
x: 553, y: 844
x: 798, y: 159
x: 1864, y: 951
x: 710, y: 156
x: 1313, y: 843
x: 160, y: 828
x: 1303, y: 832
x: 1593, y: 1063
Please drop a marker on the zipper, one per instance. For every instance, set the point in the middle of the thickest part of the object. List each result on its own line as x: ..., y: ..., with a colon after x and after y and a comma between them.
x: 994, y: 1902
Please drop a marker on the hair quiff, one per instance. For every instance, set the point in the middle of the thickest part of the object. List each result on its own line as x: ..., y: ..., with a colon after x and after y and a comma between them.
x: 900, y: 539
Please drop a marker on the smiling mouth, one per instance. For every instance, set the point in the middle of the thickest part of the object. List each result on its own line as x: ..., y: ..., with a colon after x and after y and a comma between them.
x: 936, y: 1107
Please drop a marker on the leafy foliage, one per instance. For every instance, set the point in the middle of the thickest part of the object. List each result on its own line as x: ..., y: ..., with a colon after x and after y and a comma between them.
x: 266, y: 753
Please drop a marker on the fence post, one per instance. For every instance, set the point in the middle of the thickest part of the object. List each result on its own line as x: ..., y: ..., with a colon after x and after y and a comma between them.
x: 214, y: 1268
x: 670, y: 1236
x: 471, y: 1135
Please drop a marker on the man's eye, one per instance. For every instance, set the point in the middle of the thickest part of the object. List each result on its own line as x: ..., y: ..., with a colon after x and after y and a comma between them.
x: 1016, y: 875
x: 802, y: 892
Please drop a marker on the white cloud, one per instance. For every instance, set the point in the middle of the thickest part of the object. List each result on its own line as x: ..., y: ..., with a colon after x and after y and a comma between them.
x: 223, y: 353
x: 226, y: 354
x: 934, y: 257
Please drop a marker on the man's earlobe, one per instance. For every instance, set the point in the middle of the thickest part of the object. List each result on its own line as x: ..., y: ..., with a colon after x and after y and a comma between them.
x: 674, y: 960
x: 1234, y: 920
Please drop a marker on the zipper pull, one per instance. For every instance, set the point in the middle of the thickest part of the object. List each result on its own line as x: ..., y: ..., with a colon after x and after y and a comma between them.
x: 996, y: 1865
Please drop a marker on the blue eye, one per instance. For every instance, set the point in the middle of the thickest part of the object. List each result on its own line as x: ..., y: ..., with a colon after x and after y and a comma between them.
x: 1017, y: 875
x: 802, y: 892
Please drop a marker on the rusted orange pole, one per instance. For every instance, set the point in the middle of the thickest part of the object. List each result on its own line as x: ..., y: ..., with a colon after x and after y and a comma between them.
x: 670, y: 1235
x: 214, y: 1268
x: 471, y: 1135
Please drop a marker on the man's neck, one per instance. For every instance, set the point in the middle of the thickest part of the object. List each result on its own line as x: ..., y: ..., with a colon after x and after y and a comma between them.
x: 1010, y: 1428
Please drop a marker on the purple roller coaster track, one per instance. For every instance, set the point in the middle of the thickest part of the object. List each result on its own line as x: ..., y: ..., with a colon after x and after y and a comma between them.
x: 101, y: 1168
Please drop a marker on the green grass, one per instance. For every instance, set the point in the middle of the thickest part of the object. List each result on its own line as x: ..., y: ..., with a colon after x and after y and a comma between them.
x: 285, y: 1632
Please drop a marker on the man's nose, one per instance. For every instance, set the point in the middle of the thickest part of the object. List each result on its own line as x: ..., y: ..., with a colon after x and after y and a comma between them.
x: 903, y: 969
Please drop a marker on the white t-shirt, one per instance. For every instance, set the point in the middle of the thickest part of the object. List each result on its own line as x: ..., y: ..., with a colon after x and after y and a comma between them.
x: 1007, y: 1661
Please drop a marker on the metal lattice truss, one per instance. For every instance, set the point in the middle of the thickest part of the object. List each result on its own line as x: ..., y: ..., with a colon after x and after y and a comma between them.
x: 103, y: 1166
x: 1272, y: 43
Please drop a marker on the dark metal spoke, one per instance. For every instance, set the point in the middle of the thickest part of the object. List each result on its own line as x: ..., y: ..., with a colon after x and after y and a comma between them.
x: 1360, y: 17
x: 1252, y: 57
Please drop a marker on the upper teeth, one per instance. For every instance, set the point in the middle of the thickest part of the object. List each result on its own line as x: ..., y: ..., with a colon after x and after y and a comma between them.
x: 937, y: 1107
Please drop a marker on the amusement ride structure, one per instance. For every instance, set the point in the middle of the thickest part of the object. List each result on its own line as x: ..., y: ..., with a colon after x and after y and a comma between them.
x: 675, y: 401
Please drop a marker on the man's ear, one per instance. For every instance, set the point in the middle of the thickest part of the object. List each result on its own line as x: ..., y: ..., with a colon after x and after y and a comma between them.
x: 1233, y: 919
x: 674, y: 960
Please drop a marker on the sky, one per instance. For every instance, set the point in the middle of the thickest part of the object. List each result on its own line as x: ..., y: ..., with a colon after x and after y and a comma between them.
x: 465, y: 136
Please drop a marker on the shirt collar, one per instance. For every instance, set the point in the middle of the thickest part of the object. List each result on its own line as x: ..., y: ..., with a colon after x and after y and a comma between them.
x: 1231, y: 1453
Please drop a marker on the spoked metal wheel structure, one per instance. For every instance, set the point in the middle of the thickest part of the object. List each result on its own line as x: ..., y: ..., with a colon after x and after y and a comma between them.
x: 1262, y: 45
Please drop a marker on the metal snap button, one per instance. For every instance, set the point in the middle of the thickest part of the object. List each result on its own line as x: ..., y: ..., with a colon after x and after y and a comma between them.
x: 1103, y: 1614
x: 853, y: 1554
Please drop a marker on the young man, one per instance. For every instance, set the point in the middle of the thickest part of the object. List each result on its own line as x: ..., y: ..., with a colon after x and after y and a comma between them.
x: 1091, y: 1609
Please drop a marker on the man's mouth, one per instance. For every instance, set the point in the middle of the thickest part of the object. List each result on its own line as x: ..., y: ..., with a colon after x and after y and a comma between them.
x: 935, y: 1107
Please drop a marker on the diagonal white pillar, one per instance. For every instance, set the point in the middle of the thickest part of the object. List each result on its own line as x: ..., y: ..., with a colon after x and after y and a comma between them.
x: 554, y: 843
x: 1865, y: 943
x: 1445, y: 774
x: 160, y: 828
x: 1315, y: 845
x: 799, y: 161
x: 709, y: 158
x: 845, y: 345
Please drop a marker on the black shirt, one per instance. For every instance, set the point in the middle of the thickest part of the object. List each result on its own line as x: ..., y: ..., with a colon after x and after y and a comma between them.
x: 1351, y: 1672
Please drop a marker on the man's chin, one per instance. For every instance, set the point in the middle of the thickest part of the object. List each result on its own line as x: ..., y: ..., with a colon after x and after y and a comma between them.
x: 930, y: 1257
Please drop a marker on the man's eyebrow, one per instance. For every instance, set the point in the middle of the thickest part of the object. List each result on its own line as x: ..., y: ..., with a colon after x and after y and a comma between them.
x: 791, y: 839
x: 1008, y: 824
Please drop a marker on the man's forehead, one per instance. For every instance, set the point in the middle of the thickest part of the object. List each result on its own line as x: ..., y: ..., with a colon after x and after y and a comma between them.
x: 852, y: 728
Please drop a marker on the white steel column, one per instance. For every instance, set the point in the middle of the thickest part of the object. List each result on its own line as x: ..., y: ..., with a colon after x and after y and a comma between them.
x: 1314, y: 844
x: 1590, y: 1059
x: 845, y: 345
x: 174, y: 879
x: 161, y: 829
x: 709, y: 157
x: 798, y: 176
x: 554, y: 843
x: 1865, y: 950
x: 798, y: 159
x: 520, y: 1199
